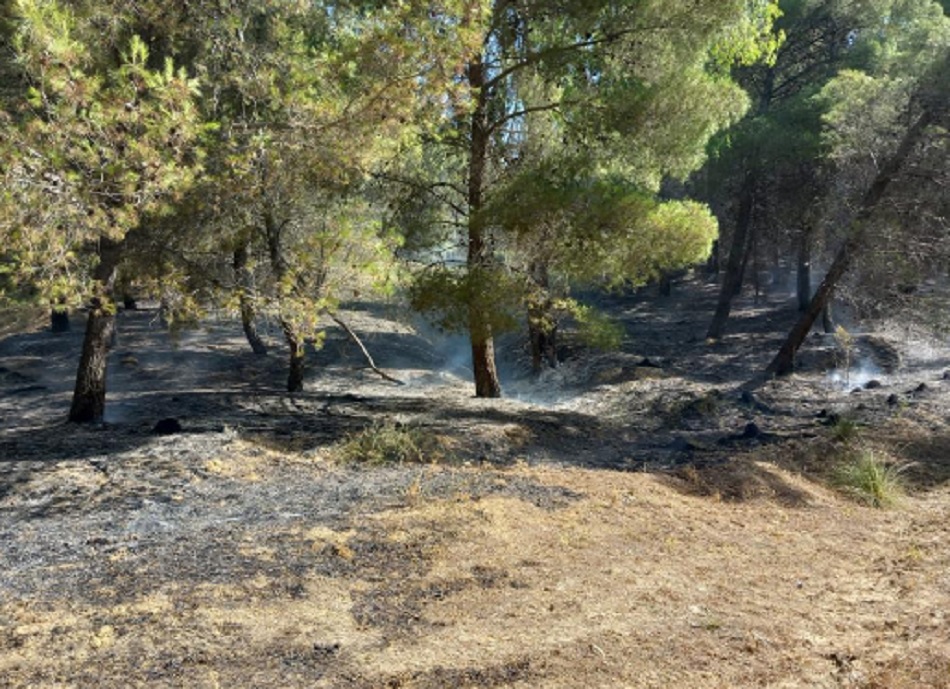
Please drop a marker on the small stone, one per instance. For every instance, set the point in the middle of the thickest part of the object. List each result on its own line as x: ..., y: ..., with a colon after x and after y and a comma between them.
x: 751, y: 431
x: 893, y: 400
x: 873, y: 384
x: 168, y: 426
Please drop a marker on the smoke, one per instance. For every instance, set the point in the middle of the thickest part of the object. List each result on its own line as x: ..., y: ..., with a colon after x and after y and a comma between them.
x: 857, y: 376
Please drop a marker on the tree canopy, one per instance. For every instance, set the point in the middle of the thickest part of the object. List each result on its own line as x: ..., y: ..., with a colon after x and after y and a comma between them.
x: 488, y: 157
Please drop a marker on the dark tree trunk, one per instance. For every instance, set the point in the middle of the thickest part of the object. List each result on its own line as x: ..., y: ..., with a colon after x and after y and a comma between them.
x: 296, y: 369
x: 246, y: 295
x: 89, y: 395
x: 784, y: 361
x: 738, y: 255
x: 542, y: 323
x: 666, y: 285
x: 59, y: 319
x: 487, y: 383
x: 804, y: 269
x: 712, y: 263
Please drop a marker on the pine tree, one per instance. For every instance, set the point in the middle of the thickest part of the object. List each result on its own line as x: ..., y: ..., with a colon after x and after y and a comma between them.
x: 626, y: 93
x: 98, y: 141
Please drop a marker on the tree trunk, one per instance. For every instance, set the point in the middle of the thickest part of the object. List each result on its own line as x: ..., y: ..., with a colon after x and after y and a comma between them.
x: 246, y: 295
x: 804, y: 269
x: 666, y: 285
x: 59, y: 319
x: 784, y: 361
x: 738, y: 255
x: 542, y: 324
x: 296, y: 368
x: 543, y: 343
x: 712, y: 263
x: 487, y: 383
x: 89, y: 395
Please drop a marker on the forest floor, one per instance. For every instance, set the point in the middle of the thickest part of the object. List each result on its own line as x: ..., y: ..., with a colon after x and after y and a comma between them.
x: 638, y: 518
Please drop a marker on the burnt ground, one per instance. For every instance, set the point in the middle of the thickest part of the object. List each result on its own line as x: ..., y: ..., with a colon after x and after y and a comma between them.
x: 638, y: 518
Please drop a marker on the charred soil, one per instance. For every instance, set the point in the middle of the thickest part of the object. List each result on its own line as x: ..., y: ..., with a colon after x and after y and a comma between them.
x: 640, y: 518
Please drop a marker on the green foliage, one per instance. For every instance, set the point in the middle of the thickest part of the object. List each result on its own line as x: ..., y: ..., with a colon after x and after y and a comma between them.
x: 389, y: 442
x: 95, y: 145
x: 595, y: 328
x: 869, y: 477
x: 845, y: 430
x: 447, y: 297
x: 599, y: 228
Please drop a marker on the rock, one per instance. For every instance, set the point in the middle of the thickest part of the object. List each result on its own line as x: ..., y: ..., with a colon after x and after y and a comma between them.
x: 647, y: 363
x: 923, y: 387
x: 873, y: 384
x: 751, y: 430
x: 168, y: 426
x: 893, y: 400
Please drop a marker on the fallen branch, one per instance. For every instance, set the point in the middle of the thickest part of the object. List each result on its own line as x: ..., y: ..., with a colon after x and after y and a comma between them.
x: 366, y: 355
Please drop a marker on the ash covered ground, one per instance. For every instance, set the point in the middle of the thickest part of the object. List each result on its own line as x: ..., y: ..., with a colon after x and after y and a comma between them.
x: 115, y: 538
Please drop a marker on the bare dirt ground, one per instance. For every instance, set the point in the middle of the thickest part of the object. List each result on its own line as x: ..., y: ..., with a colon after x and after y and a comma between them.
x: 616, y: 523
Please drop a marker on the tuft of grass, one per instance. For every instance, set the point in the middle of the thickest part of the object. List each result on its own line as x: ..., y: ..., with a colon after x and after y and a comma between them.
x: 871, y: 478
x: 845, y: 430
x: 390, y: 442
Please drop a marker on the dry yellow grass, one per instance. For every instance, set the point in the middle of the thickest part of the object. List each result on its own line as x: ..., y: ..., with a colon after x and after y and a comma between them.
x: 635, y: 583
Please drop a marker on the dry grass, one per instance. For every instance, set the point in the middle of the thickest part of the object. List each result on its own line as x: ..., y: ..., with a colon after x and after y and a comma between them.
x: 635, y: 582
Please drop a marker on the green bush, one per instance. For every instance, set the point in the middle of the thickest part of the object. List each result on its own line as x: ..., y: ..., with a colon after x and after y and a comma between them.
x: 389, y: 442
x: 871, y: 478
x: 845, y: 430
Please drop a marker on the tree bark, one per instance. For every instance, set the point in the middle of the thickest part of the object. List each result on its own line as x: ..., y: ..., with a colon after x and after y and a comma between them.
x: 487, y: 383
x: 89, y: 395
x: 297, y: 364
x: 732, y: 279
x: 784, y: 361
x: 246, y: 296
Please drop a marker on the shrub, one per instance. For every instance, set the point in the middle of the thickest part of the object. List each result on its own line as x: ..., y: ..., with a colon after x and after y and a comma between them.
x: 845, y: 430
x: 871, y: 478
x: 390, y: 442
